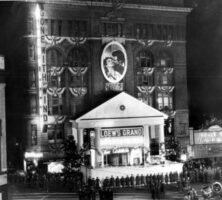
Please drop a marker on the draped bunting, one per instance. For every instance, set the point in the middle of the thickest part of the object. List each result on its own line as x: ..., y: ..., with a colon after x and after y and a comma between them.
x: 146, y: 89
x: 78, y: 92
x: 60, y: 119
x: 146, y: 42
x: 148, y: 70
x: 78, y: 70
x: 167, y: 89
x: 168, y: 70
x: 56, y: 71
x: 52, y: 40
x: 56, y: 147
x: 55, y: 91
x: 168, y: 43
x: 76, y: 40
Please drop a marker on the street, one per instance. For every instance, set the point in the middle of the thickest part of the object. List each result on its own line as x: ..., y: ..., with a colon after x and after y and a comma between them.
x: 73, y: 196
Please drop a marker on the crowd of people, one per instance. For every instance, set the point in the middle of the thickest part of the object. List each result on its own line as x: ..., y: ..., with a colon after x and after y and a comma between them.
x: 194, y: 172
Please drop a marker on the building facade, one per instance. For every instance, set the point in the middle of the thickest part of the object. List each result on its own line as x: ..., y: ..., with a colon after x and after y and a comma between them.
x: 3, y: 155
x: 71, y: 56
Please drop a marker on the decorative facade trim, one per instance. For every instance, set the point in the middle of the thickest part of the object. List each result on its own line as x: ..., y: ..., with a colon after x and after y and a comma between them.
x: 146, y: 89
x: 78, y: 92
x: 55, y: 91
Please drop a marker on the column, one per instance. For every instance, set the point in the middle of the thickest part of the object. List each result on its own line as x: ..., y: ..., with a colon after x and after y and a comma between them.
x: 79, y: 138
x: 147, y: 142
x: 97, y: 148
x: 161, y: 142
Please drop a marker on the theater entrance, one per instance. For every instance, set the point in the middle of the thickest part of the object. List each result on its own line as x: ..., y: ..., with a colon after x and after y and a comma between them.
x: 117, y: 159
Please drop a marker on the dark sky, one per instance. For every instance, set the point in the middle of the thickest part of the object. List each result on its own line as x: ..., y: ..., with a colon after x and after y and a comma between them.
x: 204, y: 60
x: 204, y: 56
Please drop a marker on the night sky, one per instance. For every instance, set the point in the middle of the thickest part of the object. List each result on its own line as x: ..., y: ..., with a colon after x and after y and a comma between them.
x: 204, y: 56
x: 204, y: 60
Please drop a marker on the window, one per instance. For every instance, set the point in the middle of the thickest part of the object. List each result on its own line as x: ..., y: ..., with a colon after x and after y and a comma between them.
x: 146, y: 98
x: 32, y: 79
x: 164, y: 100
x: 113, y: 29
x: 0, y: 127
x: 30, y: 27
x: 69, y: 28
x: 54, y: 60
x: 59, y: 27
x: 55, y: 105
x: 55, y: 133
x: 33, y: 134
x: 164, y: 79
x: 144, y: 59
x: 33, y: 104
x: 52, y: 27
x: 31, y: 52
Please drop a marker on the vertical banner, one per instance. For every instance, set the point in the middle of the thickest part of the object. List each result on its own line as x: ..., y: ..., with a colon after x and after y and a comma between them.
x: 42, y: 69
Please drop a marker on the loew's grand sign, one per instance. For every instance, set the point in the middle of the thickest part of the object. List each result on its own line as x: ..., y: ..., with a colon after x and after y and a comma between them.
x: 121, y: 132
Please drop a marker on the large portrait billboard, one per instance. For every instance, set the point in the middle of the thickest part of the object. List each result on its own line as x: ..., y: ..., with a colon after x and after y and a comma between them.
x: 114, y: 62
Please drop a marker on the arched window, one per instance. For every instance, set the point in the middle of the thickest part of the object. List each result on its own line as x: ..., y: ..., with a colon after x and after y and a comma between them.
x: 145, y: 77
x: 164, y: 101
x: 54, y: 63
x: 164, y: 69
x: 78, y: 62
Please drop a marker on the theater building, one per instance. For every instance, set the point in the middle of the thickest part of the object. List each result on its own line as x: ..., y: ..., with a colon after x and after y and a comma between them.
x: 71, y: 57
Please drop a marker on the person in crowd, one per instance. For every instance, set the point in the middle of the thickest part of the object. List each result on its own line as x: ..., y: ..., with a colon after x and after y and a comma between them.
x: 132, y: 180
x: 127, y: 181
x: 111, y: 182
x: 117, y: 182
x: 122, y: 182
x: 137, y: 180
x: 98, y: 183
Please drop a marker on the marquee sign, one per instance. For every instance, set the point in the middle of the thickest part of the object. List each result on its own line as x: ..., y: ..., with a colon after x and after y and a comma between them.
x: 209, y: 137
x: 114, y: 62
x: 42, y: 69
x: 121, y: 132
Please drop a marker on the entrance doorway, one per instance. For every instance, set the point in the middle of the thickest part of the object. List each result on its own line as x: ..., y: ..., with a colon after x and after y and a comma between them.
x: 118, y: 159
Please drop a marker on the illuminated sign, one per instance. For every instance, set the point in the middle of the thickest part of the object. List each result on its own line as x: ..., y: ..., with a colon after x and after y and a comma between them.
x: 121, y: 132
x: 114, y: 62
x: 33, y: 155
x: 42, y: 70
x: 208, y: 137
x: 2, y: 62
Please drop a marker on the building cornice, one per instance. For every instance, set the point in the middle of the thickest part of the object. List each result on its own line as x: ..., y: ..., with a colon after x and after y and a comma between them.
x: 109, y: 4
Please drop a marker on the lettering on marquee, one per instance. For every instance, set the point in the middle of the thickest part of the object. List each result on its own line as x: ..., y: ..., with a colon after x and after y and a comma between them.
x: 121, y: 132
